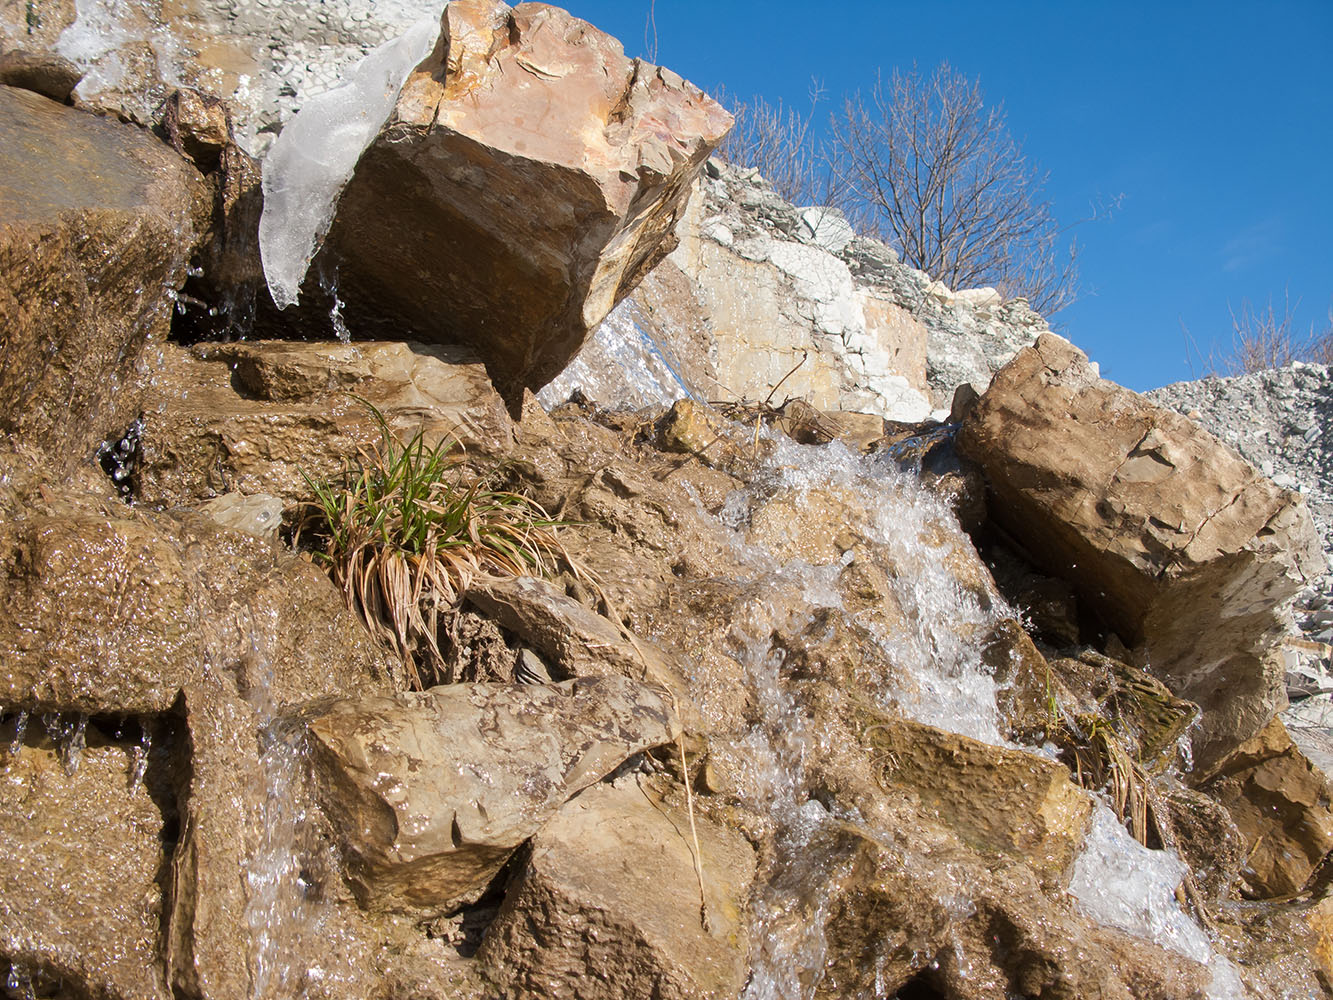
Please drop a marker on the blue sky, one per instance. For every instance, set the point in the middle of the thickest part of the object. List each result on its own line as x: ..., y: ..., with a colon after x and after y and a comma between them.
x: 1213, y: 120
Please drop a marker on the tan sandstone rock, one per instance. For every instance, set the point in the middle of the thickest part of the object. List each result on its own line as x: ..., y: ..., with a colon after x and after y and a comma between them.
x: 79, y: 893
x: 1281, y: 804
x: 529, y: 177
x: 433, y: 791
x: 607, y: 906
x: 114, y: 611
x: 252, y: 416
x: 97, y: 221
x: 1175, y: 540
x: 995, y: 798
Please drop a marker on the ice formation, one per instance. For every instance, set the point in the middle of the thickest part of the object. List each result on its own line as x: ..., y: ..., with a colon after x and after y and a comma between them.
x: 1122, y: 884
x: 311, y: 161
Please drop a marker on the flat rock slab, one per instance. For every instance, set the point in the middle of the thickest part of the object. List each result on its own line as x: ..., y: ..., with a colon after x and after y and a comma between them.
x: 529, y: 177
x: 79, y: 894
x: 254, y: 416
x: 97, y: 222
x: 433, y: 791
x: 1177, y: 542
x: 607, y: 906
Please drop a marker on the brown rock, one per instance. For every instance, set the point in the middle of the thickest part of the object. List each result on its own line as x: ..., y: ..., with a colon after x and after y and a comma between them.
x: 581, y: 642
x: 1206, y: 837
x: 253, y: 416
x: 79, y: 896
x: 607, y: 906
x: 1281, y: 804
x: 995, y: 799
x: 1177, y: 542
x: 112, y: 611
x: 43, y: 73
x: 930, y: 920
x: 97, y: 221
x: 433, y: 791
x: 529, y: 177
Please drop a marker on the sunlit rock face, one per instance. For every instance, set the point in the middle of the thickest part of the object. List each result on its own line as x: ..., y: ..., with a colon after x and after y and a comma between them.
x: 528, y: 178
x: 435, y: 790
x: 97, y: 222
x: 1175, y: 539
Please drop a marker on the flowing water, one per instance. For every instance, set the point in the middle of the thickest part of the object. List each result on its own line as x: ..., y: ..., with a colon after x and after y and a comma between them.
x: 940, y: 680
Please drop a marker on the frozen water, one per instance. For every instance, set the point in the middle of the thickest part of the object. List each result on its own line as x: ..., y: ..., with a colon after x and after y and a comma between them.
x: 311, y: 161
x: 1122, y: 884
x: 622, y: 366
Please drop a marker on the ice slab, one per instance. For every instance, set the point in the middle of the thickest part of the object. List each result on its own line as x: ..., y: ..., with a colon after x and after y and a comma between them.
x: 310, y: 163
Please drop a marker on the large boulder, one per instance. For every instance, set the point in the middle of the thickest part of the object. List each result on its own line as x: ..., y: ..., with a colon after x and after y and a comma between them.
x: 97, y: 223
x: 528, y: 178
x: 1181, y: 546
x: 608, y: 905
x: 434, y: 791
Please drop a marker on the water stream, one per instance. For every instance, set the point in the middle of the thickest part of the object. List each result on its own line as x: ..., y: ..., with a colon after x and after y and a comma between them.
x: 940, y: 680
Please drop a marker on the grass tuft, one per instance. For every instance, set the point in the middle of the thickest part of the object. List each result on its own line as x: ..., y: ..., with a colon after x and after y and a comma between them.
x: 405, y: 532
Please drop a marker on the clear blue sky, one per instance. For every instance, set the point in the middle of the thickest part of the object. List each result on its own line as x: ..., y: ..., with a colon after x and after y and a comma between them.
x: 1214, y: 120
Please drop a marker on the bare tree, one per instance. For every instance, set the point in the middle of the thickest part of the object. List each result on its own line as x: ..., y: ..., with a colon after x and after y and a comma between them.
x: 777, y: 141
x: 1264, y: 338
x: 924, y: 165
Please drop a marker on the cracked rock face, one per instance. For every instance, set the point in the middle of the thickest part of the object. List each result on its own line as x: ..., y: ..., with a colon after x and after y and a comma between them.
x: 1177, y: 542
x: 434, y: 791
x: 528, y: 179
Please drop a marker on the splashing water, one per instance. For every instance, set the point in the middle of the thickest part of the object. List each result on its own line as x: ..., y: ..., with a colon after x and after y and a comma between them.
x: 938, y: 677
x: 69, y: 734
x: 20, y: 733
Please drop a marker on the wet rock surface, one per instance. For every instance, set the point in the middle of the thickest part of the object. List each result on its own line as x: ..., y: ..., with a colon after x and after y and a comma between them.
x: 97, y: 223
x: 85, y: 840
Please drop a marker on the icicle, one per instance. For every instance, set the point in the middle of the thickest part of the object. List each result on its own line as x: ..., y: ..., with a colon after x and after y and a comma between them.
x: 139, y: 758
x: 20, y: 732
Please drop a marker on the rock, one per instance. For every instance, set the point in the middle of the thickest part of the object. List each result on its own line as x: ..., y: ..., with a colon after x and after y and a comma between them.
x: 1174, y: 540
x: 259, y: 514
x: 944, y: 924
x: 526, y: 181
x: 1207, y: 838
x: 995, y: 799
x: 1145, y: 716
x: 253, y: 416
x: 113, y: 611
x: 97, y: 222
x: 434, y: 791
x: 607, y: 905
x: 43, y: 73
x: 581, y: 642
x: 1280, y: 802
x: 79, y: 893
x: 786, y: 314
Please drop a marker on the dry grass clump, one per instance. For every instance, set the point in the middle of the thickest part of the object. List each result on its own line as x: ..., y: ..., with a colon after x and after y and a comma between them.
x: 405, y: 532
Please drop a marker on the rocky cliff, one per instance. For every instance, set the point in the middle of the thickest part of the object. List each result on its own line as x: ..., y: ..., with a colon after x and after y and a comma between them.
x: 335, y: 665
